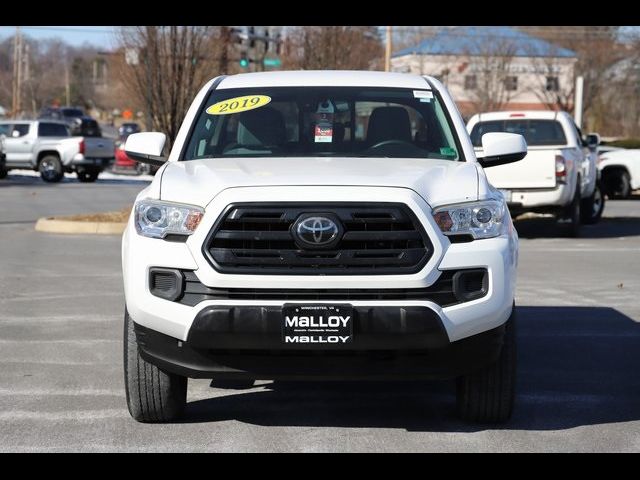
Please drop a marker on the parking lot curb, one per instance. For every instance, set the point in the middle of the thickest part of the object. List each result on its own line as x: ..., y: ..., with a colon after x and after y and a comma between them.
x: 60, y: 225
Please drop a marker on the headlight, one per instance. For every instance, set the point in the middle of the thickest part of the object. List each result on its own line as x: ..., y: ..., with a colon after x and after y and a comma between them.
x: 479, y: 219
x: 158, y: 219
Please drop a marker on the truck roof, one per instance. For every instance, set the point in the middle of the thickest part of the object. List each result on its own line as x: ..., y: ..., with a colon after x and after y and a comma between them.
x: 325, y: 78
x: 514, y: 114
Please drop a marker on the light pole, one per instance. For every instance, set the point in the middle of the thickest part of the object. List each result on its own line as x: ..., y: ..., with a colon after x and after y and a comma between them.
x: 387, y: 55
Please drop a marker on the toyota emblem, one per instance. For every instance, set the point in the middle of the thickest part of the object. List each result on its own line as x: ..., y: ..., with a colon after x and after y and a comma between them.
x: 316, y: 230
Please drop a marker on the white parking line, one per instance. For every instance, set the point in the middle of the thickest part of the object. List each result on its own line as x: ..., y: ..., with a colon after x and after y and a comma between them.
x: 93, y: 392
x: 47, y: 274
x: 44, y: 318
x: 88, y: 341
x: 32, y: 298
x: 86, y: 415
x: 13, y: 361
x: 590, y: 249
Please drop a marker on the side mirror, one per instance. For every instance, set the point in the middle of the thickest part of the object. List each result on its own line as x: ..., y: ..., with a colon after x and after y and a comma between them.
x: 593, y: 140
x: 15, y: 134
x: 146, y: 147
x: 500, y: 148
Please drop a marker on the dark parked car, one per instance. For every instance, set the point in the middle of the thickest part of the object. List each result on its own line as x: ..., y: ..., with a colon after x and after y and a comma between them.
x: 72, y: 116
x: 127, y: 129
x: 88, y: 128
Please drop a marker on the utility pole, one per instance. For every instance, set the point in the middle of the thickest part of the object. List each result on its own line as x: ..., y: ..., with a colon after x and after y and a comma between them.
x: 17, y: 73
x: 27, y: 78
x: 577, y: 113
x: 67, y: 86
x: 387, y: 55
x: 14, y: 86
x: 225, y: 39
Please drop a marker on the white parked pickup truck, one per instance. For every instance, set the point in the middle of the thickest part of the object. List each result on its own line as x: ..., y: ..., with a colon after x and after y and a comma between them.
x: 48, y: 147
x: 620, y: 170
x: 559, y: 173
x: 320, y: 225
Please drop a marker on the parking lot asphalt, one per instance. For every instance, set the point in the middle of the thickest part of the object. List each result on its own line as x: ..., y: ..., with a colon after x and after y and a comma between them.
x: 61, y: 380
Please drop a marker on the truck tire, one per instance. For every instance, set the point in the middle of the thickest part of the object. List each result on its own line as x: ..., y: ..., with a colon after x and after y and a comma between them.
x: 572, y: 216
x: 143, y: 168
x: 50, y: 169
x: 591, y: 208
x: 623, y: 183
x: 153, y: 396
x: 87, y: 176
x: 487, y: 396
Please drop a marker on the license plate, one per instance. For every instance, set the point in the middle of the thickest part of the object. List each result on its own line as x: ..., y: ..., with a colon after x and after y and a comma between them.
x: 506, y: 194
x: 307, y: 325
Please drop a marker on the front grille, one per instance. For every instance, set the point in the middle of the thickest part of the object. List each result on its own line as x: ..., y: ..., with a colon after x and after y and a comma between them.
x: 378, y: 238
x: 441, y: 292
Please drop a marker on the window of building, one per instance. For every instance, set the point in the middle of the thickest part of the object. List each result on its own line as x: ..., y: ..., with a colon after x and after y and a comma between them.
x: 511, y: 83
x: 470, y: 82
x: 553, y: 85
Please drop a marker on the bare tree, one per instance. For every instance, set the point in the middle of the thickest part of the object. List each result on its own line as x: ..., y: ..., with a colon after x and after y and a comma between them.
x: 490, y: 59
x: 552, y: 88
x: 173, y: 62
x: 598, y: 49
x: 333, y: 48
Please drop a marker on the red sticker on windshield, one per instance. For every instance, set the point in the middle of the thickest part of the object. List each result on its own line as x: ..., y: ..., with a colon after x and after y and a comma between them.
x: 323, y: 134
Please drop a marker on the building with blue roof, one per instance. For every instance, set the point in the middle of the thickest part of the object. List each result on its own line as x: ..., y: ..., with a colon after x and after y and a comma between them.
x: 492, y: 68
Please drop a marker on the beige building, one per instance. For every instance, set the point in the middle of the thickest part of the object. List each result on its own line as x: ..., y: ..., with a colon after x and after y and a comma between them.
x: 493, y: 68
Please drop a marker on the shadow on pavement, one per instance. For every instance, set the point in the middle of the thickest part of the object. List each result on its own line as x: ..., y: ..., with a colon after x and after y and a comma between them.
x: 634, y: 196
x: 608, y: 227
x: 577, y: 366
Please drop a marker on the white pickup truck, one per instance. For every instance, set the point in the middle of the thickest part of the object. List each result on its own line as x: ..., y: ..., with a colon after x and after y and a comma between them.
x: 48, y: 147
x: 620, y: 171
x: 559, y: 173
x: 320, y: 225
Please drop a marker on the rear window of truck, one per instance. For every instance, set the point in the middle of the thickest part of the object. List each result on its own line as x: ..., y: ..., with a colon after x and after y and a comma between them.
x: 535, y: 132
x: 52, y: 130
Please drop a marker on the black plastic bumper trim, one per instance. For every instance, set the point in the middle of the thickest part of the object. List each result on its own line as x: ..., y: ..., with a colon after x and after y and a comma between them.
x: 441, y: 360
x: 248, y: 327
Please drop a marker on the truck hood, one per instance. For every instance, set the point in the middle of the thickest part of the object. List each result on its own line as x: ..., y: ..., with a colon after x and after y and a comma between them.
x: 439, y: 182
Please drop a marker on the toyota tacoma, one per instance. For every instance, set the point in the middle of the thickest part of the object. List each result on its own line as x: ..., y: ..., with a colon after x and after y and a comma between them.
x: 559, y: 175
x: 320, y: 225
x: 48, y: 147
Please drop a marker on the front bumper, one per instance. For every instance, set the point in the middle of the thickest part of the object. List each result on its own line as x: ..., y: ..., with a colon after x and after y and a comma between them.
x: 497, y: 255
x: 383, y: 348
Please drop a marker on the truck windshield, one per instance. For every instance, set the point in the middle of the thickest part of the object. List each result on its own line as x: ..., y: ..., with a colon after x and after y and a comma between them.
x: 322, y: 121
x: 535, y: 132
